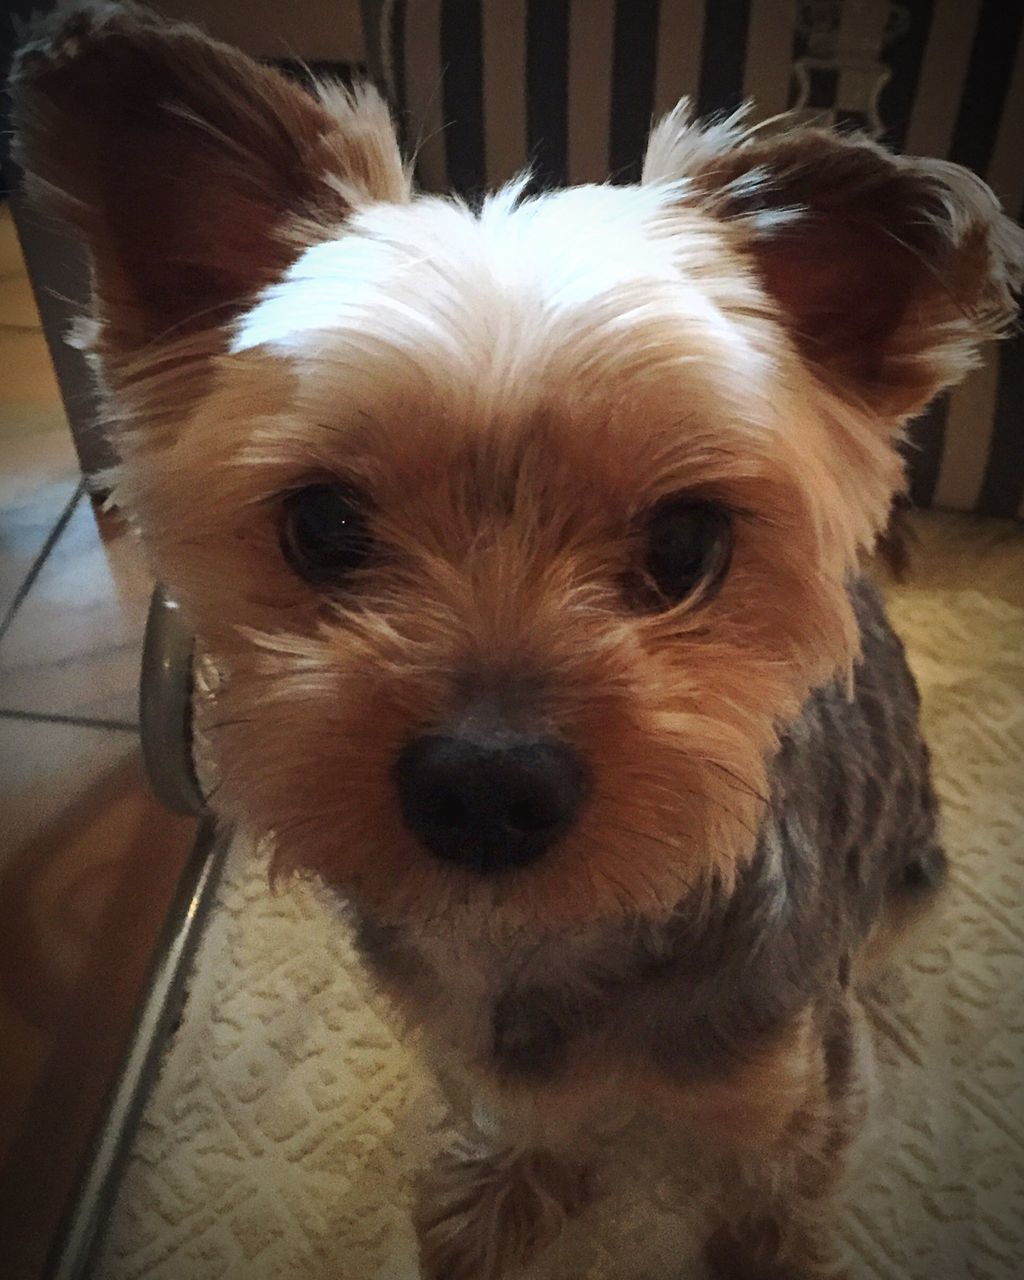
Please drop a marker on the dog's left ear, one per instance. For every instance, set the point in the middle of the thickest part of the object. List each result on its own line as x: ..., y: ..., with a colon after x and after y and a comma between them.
x: 889, y: 271
x: 189, y: 169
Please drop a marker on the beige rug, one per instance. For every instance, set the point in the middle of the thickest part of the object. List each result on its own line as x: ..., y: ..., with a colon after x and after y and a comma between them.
x: 279, y: 1138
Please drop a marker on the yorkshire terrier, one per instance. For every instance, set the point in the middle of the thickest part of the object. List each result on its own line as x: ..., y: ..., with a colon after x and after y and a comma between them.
x: 528, y: 534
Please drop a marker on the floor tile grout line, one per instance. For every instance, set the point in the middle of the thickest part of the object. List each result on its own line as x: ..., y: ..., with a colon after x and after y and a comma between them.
x: 78, y: 722
x: 40, y: 560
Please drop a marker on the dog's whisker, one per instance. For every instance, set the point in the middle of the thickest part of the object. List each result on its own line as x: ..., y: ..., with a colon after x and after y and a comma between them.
x: 740, y: 784
x: 232, y: 723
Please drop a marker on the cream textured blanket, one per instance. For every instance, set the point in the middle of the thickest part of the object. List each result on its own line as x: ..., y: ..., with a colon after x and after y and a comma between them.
x: 279, y: 1139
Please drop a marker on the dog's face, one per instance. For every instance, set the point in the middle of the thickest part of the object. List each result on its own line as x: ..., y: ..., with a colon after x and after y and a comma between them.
x: 518, y: 530
x: 531, y: 544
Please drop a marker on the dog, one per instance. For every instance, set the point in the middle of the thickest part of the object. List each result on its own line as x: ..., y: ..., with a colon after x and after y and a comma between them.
x: 528, y: 537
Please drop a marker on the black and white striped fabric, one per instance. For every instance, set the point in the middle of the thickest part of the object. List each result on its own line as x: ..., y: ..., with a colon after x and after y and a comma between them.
x: 484, y: 88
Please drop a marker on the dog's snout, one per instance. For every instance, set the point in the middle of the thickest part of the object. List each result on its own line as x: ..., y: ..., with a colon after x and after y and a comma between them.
x: 489, y: 801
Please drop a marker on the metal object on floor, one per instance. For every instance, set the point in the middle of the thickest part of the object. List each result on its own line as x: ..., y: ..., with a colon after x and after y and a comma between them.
x: 165, y: 706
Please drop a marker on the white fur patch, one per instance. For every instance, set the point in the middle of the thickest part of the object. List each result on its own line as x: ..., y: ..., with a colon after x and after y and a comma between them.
x: 498, y: 291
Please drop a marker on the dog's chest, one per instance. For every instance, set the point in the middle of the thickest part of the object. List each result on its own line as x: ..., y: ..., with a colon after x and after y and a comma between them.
x: 512, y: 1010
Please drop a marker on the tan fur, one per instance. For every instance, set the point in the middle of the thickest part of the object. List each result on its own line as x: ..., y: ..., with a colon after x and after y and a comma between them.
x: 755, y: 1108
x: 514, y: 389
x: 777, y: 1208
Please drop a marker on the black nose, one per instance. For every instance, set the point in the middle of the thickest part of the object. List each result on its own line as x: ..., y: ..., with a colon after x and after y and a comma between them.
x: 489, y: 800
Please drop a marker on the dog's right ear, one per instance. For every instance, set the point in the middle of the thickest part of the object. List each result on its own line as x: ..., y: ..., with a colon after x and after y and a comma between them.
x: 889, y: 271
x: 191, y: 171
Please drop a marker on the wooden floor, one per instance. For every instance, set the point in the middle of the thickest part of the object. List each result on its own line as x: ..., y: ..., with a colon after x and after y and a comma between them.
x: 88, y: 859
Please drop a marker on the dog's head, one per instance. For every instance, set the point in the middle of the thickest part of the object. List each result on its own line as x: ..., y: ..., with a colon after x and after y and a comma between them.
x: 519, y: 529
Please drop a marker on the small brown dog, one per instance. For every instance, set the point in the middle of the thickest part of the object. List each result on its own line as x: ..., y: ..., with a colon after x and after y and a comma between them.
x: 527, y: 537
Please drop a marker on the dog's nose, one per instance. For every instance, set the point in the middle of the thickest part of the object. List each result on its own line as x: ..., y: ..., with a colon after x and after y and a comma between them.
x: 489, y: 800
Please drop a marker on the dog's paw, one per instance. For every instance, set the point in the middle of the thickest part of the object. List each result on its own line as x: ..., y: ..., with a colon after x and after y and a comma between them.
x: 767, y: 1251
x: 482, y: 1213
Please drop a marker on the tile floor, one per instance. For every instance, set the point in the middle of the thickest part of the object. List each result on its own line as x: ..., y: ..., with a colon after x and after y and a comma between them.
x: 88, y: 859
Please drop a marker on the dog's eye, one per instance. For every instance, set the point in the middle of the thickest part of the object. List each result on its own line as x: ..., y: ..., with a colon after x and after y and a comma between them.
x: 324, y: 534
x: 688, y: 549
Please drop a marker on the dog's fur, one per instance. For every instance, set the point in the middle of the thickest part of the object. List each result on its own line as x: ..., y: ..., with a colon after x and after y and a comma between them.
x: 514, y: 388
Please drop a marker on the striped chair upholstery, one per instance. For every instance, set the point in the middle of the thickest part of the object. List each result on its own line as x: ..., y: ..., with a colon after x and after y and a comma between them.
x: 483, y: 88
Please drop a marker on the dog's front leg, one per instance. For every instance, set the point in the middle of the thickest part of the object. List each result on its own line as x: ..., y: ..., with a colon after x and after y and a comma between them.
x: 778, y: 1223
x: 794, y: 1243
x: 484, y: 1208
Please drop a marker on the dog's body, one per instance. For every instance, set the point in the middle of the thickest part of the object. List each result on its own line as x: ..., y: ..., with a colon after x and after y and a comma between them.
x: 528, y: 538
x: 738, y: 1014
